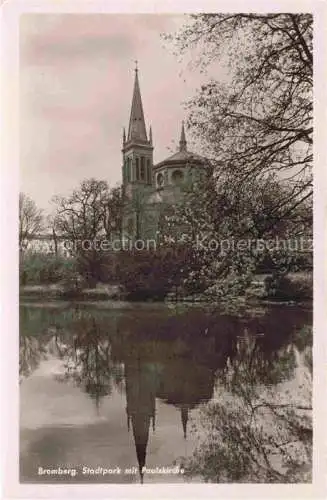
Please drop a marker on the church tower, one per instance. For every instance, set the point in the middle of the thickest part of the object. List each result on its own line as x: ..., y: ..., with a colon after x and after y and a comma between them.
x: 137, y: 168
x: 137, y: 147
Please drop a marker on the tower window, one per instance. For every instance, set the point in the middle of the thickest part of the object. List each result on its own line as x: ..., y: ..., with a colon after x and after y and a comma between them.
x: 160, y: 180
x: 142, y: 168
x: 128, y: 169
x: 177, y: 176
x: 137, y: 168
x: 148, y: 169
x: 124, y: 170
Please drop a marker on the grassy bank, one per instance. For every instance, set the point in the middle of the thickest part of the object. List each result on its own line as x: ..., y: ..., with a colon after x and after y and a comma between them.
x: 56, y: 291
x: 296, y: 287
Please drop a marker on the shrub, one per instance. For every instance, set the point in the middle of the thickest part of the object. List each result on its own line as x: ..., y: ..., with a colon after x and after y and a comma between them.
x: 150, y: 274
x: 38, y: 268
x: 72, y: 284
x: 291, y: 287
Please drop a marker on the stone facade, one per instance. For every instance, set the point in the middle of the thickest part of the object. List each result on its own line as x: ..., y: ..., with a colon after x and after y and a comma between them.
x: 148, y: 189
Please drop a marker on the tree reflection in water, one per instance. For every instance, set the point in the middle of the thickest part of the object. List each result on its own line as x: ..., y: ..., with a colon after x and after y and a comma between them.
x: 259, y: 431
x: 88, y: 360
x: 251, y: 434
x: 31, y: 353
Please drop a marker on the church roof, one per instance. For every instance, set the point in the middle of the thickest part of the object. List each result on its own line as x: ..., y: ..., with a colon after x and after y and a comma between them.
x: 137, y: 129
x: 182, y: 155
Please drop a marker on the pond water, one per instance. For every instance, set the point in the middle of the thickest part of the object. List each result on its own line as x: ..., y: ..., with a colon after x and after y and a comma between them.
x: 155, y: 393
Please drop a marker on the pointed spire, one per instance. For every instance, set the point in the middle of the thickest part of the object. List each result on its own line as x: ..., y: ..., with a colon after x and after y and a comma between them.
x: 184, y: 415
x: 124, y: 135
x: 136, y: 129
x: 141, y: 424
x: 182, y: 142
x: 150, y: 135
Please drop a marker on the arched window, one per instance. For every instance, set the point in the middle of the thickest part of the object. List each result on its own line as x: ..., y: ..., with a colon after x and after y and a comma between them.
x: 177, y: 176
x: 137, y: 168
x: 148, y: 169
x: 142, y: 176
x: 128, y: 169
x: 160, y: 180
x: 124, y: 169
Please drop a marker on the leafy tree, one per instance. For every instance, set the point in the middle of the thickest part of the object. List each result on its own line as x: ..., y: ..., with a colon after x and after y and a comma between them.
x: 90, y: 215
x: 113, y: 221
x: 30, y: 220
x: 150, y: 274
x: 81, y: 215
x: 260, y: 118
x: 256, y: 126
x: 231, y: 231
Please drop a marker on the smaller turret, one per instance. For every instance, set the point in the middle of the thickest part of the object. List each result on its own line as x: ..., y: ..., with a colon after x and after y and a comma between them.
x: 182, y: 142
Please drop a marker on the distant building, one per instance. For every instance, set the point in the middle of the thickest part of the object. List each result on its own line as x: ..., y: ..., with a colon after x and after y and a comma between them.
x: 150, y: 189
x: 47, y: 244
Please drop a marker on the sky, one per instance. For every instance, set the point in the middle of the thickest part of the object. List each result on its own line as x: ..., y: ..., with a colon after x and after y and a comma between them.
x: 76, y: 83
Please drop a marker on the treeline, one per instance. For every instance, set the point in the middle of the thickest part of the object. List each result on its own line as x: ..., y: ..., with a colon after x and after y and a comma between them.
x: 148, y: 274
x: 152, y: 275
x: 188, y: 259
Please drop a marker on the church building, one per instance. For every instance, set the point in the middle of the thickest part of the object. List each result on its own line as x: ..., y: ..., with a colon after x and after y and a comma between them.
x: 149, y: 189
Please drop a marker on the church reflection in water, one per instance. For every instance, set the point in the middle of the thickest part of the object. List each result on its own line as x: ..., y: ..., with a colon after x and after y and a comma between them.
x: 176, y: 382
x: 177, y: 364
x: 141, y: 383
